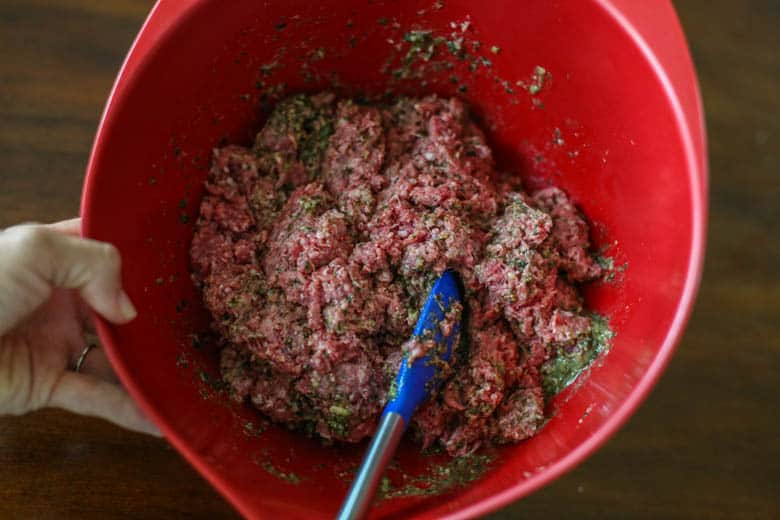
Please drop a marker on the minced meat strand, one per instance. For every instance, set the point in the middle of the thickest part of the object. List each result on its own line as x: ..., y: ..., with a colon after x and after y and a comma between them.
x: 316, y: 249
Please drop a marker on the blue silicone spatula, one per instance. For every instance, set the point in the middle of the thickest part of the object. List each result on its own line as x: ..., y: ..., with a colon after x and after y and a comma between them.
x: 413, y: 385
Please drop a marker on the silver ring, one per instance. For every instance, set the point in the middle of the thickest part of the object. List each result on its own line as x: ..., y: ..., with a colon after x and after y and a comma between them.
x: 83, y: 357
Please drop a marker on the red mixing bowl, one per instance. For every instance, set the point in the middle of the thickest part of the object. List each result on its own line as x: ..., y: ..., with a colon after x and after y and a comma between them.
x: 612, y: 116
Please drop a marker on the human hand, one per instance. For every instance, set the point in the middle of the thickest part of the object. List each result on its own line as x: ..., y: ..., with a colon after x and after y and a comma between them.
x: 48, y: 277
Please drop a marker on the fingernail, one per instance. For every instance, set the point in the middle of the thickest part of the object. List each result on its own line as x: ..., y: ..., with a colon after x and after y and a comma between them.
x: 126, y: 306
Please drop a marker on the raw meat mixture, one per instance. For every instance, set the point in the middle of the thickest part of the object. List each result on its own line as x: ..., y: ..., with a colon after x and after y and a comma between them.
x: 315, y: 250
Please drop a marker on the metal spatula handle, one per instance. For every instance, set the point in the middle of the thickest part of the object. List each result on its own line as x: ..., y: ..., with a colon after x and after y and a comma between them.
x: 380, y: 452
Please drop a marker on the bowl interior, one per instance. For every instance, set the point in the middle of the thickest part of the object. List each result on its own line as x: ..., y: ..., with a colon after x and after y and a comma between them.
x: 595, y: 121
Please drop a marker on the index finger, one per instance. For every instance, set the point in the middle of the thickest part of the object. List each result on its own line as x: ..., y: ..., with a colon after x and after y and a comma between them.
x: 68, y: 227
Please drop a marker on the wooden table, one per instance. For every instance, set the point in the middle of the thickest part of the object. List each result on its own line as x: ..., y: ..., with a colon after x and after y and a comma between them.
x: 705, y: 444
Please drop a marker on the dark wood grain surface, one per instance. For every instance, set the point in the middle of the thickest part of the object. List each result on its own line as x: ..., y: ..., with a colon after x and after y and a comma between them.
x: 704, y: 445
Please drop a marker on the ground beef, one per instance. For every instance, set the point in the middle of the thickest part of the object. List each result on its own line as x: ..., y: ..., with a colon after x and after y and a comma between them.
x: 316, y: 248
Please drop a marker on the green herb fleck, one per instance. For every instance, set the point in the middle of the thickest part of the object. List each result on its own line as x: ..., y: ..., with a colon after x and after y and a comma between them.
x: 393, y: 391
x: 181, y: 361
x: 607, y: 263
x: 268, y: 68
x: 253, y: 430
x: 422, y: 45
x: 287, y: 476
x: 340, y: 411
x: 540, y: 75
x: 309, y: 204
x: 338, y: 419
x: 385, y: 486
x: 456, y: 47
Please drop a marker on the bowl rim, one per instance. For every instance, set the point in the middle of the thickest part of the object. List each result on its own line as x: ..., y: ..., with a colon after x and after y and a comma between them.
x: 165, y: 17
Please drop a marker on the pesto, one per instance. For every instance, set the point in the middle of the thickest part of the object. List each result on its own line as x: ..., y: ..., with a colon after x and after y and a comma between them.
x: 312, y: 127
x: 566, y: 364
x: 454, y: 474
